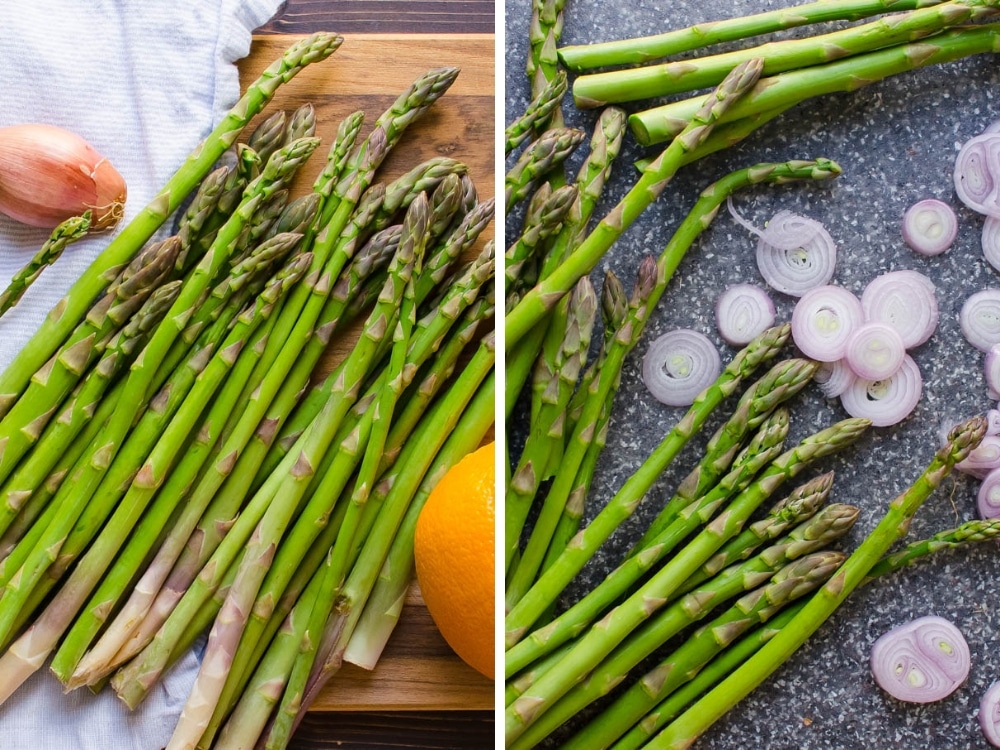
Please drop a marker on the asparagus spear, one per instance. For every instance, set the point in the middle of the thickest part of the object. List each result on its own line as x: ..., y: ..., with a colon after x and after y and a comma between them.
x: 794, y: 509
x: 598, y: 89
x: 544, y: 217
x: 368, y: 438
x: 642, y: 50
x: 400, y: 485
x: 336, y: 164
x: 67, y: 232
x: 764, y: 448
x: 603, y: 389
x: 552, y: 148
x: 733, y: 657
x: 57, y: 438
x: 794, y: 86
x: 423, y: 178
x: 235, y: 362
x: 778, y: 565
x: 269, y: 136
x: 546, y: 429
x: 23, y: 423
x: 541, y: 595
x: 537, y: 114
x: 381, y: 611
x: 797, y: 579
x: 605, y: 144
x: 971, y: 531
x: 460, y: 241
x: 34, y: 646
x: 73, y: 307
x: 292, y: 482
x: 781, y: 382
x: 893, y: 525
x: 623, y: 619
x: 543, y: 297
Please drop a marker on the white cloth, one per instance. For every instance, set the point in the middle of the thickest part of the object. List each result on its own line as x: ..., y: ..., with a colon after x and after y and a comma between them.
x: 143, y: 82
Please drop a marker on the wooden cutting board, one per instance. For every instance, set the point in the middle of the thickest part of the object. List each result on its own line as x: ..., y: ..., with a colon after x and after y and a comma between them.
x: 418, y: 671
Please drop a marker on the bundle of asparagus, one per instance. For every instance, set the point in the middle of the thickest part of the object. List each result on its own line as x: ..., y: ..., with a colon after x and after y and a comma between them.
x: 167, y: 466
x: 587, y: 623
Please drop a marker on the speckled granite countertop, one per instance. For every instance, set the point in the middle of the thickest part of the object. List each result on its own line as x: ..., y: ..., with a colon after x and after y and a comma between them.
x: 896, y: 141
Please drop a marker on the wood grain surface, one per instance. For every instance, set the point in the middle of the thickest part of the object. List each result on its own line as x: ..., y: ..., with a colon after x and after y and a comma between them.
x: 420, y: 695
x: 384, y: 16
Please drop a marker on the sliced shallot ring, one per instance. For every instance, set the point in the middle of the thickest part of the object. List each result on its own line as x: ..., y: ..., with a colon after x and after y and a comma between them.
x: 977, y: 174
x: 742, y: 313
x: 993, y: 422
x: 822, y: 321
x: 786, y: 230
x: 988, y: 498
x: 797, y: 270
x: 989, y: 714
x: 874, y: 351
x: 922, y: 661
x: 979, y: 319
x: 833, y: 378
x: 929, y: 226
x: 983, y: 459
x: 885, y: 402
x: 991, y: 369
x: 991, y: 241
x: 904, y: 300
x: 679, y: 365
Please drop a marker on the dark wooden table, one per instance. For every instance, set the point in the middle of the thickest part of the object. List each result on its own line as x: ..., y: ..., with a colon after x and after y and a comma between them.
x: 355, y: 730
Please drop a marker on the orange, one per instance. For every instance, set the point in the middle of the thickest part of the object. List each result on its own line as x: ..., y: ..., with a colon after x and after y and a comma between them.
x: 453, y: 548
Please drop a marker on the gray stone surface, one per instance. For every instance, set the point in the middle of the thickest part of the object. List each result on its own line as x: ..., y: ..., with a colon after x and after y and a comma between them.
x: 896, y: 141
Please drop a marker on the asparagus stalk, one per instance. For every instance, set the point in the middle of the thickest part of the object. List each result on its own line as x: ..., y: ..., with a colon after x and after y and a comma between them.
x: 58, y: 436
x: 29, y: 652
x: 893, y: 525
x: 797, y: 508
x: 591, y: 179
x: 543, y: 219
x: 602, y: 390
x: 733, y: 657
x: 302, y: 124
x: 764, y: 448
x: 794, y: 86
x: 637, y: 51
x: 269, y: 136
x: 25, y: 420
x: 235, y: 362
x: 650, y: 597
x: 334, y: 168
x: 543, y: 297
x: 207, y: 537
x: 778, y: 566
x: 797, y: 579
x: 399, y: 486
x: 781, y: 382
x: 67, y: 232
x: 537, y: 114
x: 552, y: 148
x: 292, y: 482
x: 456, y: 298
x: 73, y: 307
x: 381, y: 611
x: 971, y: 531
x: 426, y: 177
x: 598, y: 89
x: 548, y: 586
x: 547, y: 428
